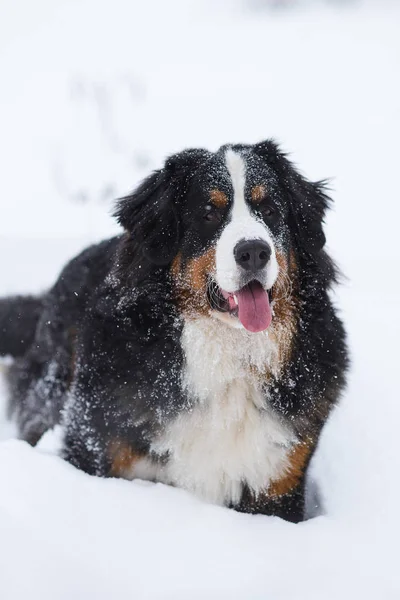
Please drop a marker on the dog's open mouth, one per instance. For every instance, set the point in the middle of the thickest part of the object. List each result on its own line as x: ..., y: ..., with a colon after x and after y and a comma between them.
x: 251, y: 304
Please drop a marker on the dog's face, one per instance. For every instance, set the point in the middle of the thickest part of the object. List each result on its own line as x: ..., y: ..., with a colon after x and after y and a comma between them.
x: 227, y: 225
x: 234, y: 223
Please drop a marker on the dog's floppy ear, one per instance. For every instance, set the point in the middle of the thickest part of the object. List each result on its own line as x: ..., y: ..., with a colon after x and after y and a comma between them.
x: 308, y: 200
x: 151, y: 214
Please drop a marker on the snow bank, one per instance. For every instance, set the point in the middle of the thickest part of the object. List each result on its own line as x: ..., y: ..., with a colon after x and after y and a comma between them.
x: 95, y: 94
x: 65, y: 535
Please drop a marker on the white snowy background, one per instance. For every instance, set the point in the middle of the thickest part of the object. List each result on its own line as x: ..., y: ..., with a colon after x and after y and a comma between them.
x: 94, y: 94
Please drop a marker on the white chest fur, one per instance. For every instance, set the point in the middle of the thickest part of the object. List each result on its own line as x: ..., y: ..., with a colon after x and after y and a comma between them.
x: 228, y: 437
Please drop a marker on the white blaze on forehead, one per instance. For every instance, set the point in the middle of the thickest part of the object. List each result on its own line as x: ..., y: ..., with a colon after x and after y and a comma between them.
x: 242, y: 225
x: 237, y: 172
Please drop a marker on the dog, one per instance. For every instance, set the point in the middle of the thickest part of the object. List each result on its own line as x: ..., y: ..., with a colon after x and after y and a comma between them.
x: 200, y: 347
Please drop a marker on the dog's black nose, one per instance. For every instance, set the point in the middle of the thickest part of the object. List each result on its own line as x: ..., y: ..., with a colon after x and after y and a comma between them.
x: 252, y: 255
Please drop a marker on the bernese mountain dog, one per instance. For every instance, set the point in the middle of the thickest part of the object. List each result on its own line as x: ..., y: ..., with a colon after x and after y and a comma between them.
x: 200, y: 347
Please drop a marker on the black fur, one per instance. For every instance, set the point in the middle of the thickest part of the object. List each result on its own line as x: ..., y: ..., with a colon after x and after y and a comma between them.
x: 19, y: 316
x: 101, y: 351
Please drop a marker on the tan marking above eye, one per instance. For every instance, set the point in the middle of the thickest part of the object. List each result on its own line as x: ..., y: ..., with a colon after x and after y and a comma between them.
x: 190, y: 282
x: 258, y: 193
x: 286, y: 307
x: 218, y: 198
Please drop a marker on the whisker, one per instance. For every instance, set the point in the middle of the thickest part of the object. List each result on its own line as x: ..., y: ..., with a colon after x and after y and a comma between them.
x: 283, y: 283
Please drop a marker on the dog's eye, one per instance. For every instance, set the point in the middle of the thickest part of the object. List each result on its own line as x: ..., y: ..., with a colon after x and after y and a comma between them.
x: 268, y: 211
x: 212, y: 214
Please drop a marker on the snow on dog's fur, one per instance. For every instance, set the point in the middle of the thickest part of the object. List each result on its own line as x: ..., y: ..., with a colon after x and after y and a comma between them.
x: 200, y: 347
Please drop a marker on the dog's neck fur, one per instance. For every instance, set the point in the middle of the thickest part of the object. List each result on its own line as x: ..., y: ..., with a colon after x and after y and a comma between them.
x: 217, y: 355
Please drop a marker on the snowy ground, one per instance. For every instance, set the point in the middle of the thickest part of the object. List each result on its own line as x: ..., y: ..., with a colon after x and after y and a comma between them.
x: 95, y: 94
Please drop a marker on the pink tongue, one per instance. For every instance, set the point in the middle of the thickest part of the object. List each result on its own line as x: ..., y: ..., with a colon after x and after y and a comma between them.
x: 254, y: 309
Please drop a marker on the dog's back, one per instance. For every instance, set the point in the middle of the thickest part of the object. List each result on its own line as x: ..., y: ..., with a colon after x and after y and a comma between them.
x: 39, y: 332
x: 19, y: 316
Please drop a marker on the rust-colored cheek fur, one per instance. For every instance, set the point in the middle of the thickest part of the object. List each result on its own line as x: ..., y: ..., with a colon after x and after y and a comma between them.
x: 190, y: 281
x: 285, y: 306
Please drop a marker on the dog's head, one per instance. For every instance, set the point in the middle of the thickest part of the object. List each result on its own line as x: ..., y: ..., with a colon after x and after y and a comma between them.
x: 230, y: 226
